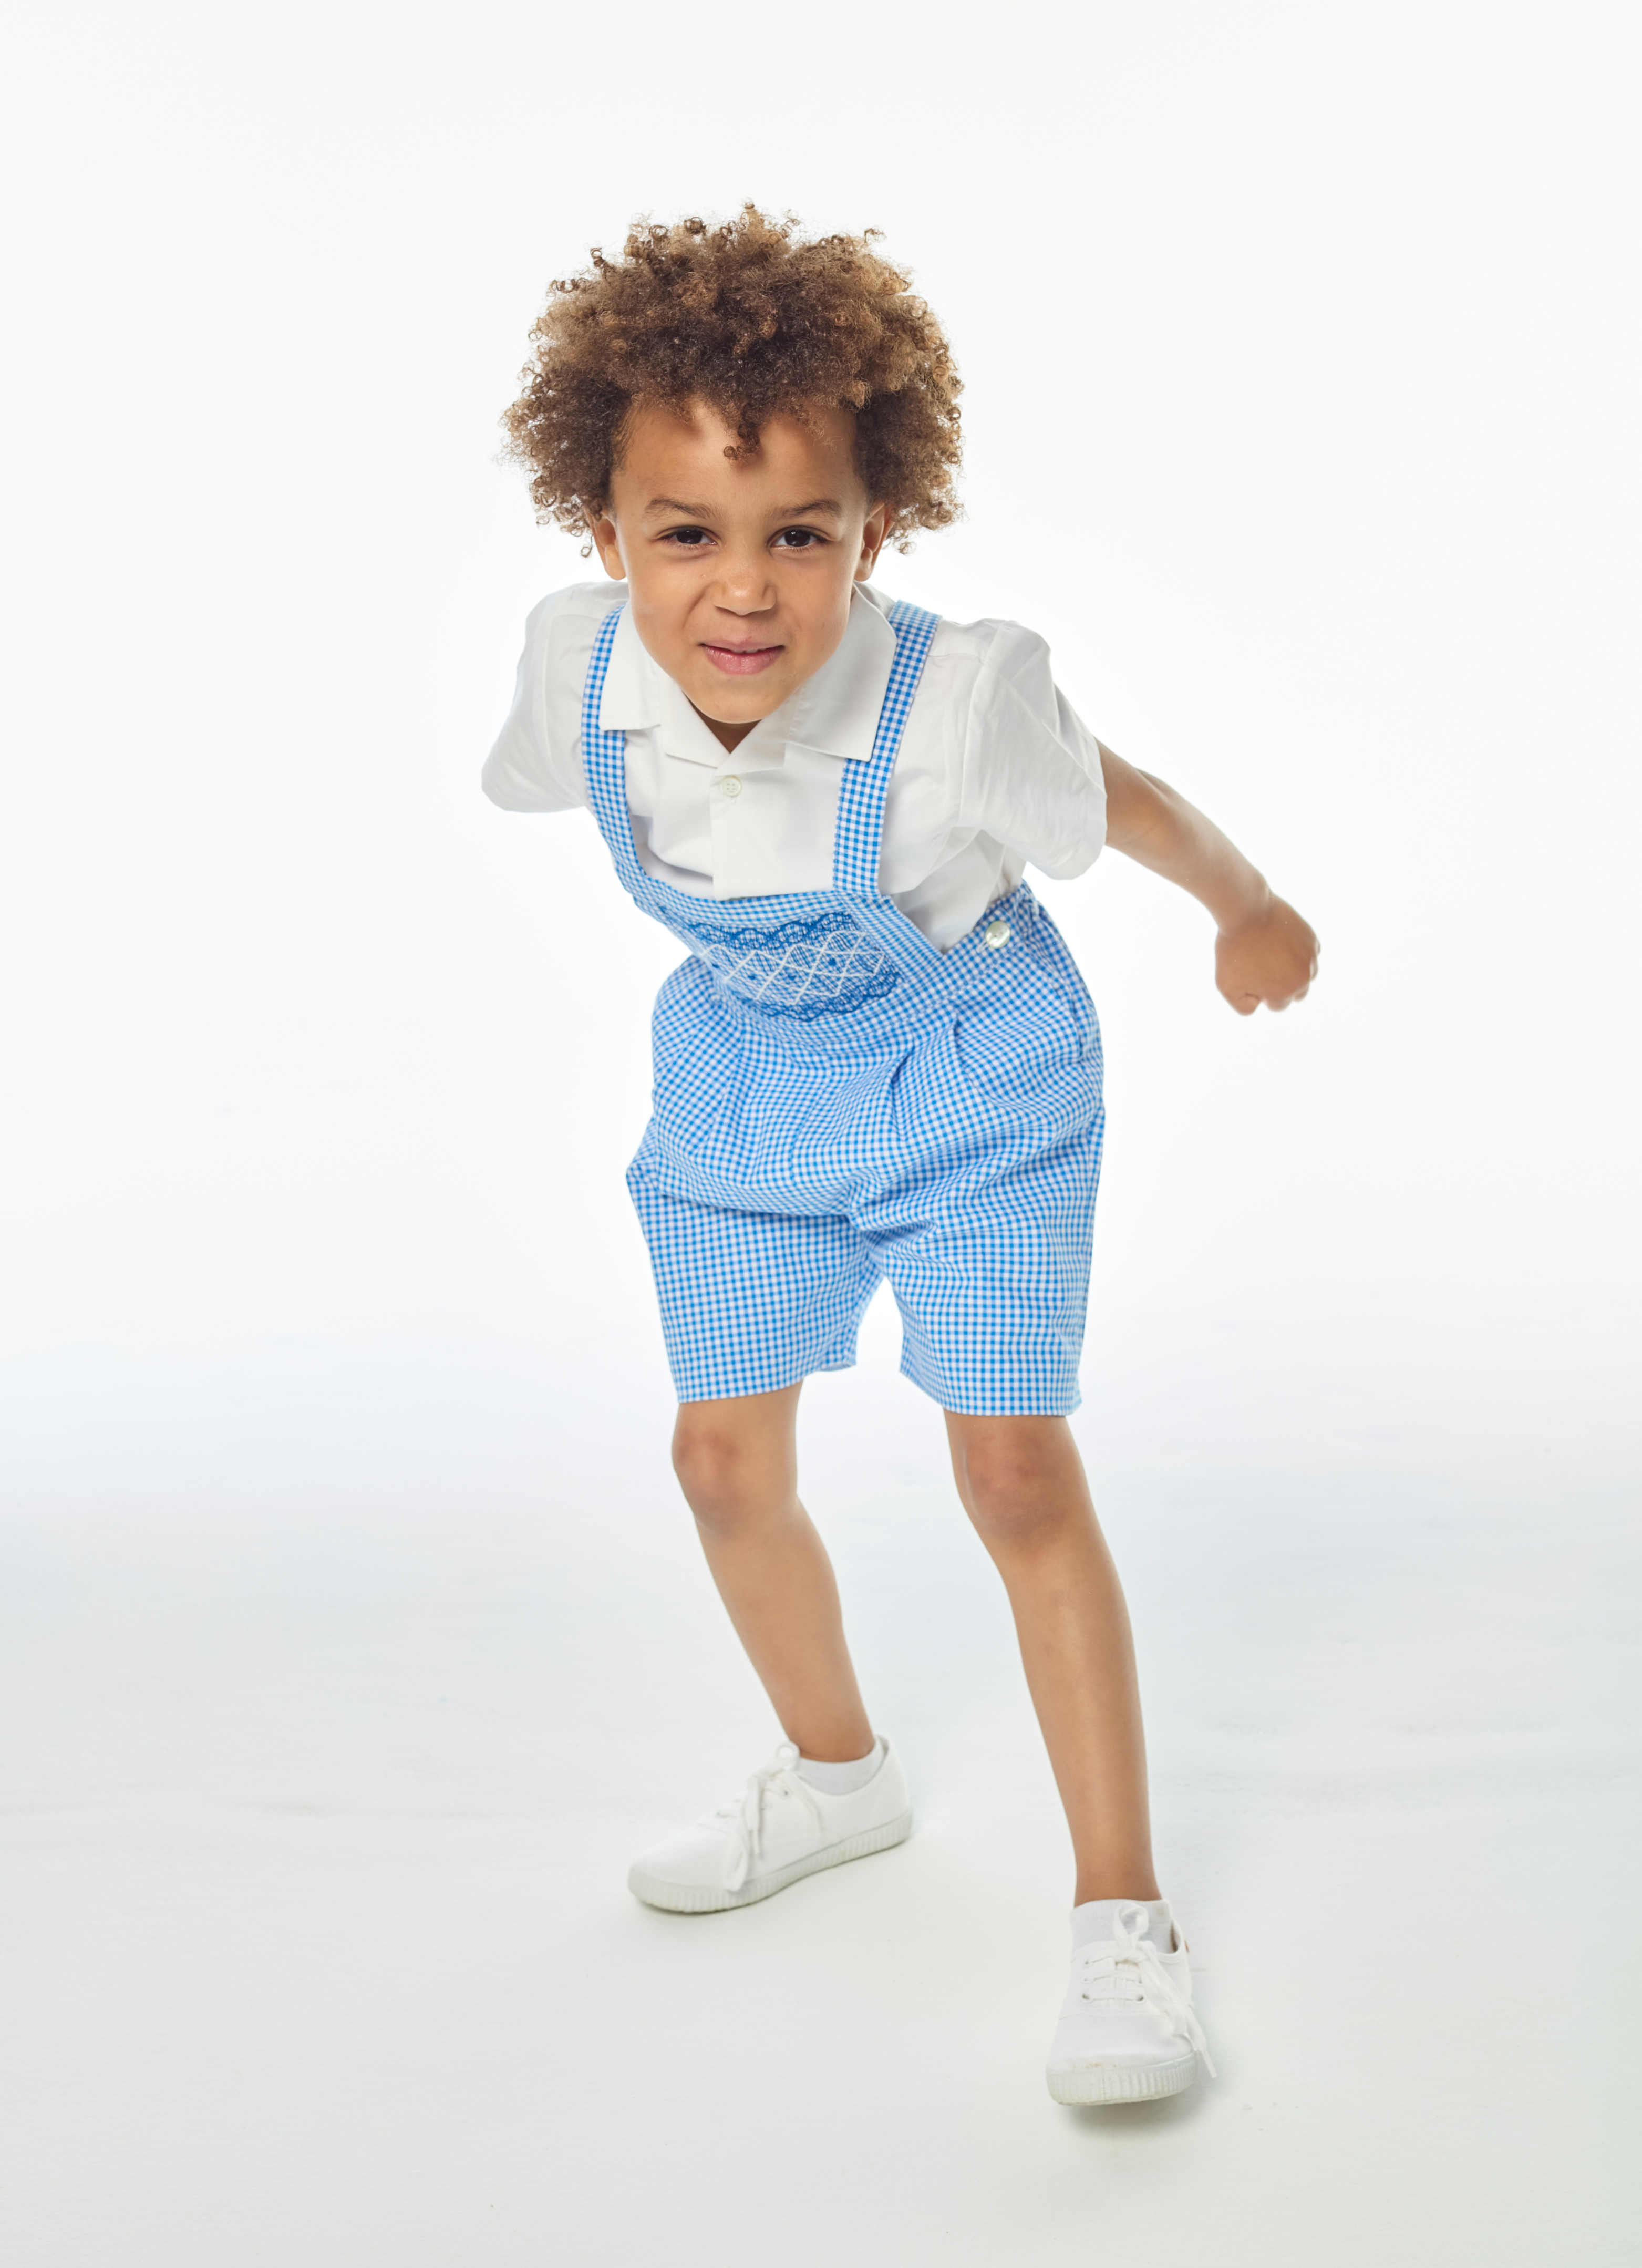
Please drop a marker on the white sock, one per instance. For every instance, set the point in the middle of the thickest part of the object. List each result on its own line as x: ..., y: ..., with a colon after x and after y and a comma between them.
x: 1095, y: 1920
x: 842, y: 1780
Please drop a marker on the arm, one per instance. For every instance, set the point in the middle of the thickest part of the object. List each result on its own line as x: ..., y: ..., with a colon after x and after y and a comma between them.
x: 1265, y: 951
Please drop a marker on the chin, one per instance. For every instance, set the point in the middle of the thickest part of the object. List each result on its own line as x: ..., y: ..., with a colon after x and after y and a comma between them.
x: 712, y: 702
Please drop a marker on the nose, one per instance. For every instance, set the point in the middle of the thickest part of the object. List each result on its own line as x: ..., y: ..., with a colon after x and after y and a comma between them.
x: 743, y: 585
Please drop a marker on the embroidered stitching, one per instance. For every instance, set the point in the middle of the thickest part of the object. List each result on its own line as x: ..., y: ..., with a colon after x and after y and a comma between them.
x: 805, y: 969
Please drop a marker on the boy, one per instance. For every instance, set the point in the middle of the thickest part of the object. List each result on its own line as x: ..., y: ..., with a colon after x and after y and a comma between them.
x: 879, y: 1059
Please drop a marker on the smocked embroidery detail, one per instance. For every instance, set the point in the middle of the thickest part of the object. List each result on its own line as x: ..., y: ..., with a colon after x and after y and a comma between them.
x: 805, y: 969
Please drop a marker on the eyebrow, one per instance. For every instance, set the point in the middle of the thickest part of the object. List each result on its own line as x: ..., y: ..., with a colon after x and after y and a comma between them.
x: 782, y: 511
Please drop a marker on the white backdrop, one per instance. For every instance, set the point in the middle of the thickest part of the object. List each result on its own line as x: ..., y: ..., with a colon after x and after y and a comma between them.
x: 1301, y: 373
x: 352, y: 1637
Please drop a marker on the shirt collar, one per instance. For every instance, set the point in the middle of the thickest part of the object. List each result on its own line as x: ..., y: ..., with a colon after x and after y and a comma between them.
x: 835, y: 712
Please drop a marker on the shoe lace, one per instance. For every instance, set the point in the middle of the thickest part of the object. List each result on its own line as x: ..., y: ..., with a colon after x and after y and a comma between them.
x: 744, y: 1820
x: 1130, y: 1948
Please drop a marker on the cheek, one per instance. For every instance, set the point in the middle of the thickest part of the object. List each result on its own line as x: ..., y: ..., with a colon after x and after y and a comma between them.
x: 829, y: 617
x: 661, y: 619
x: 666, y: 586
x: 818, y: 595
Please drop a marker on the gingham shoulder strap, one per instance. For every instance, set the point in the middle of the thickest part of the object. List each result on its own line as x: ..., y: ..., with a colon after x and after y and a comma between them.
x: 604, y: 760
x: 861, y: 797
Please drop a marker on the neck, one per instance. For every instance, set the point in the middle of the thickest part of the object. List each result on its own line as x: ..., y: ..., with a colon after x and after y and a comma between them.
x: 728, y: 736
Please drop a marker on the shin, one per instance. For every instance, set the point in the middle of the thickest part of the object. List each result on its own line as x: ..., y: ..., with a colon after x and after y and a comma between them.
x: 737, y: 1463
x: 1022, y: 1484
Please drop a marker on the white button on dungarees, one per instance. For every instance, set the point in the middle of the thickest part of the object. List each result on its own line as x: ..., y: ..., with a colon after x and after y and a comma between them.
x: 997, y: 935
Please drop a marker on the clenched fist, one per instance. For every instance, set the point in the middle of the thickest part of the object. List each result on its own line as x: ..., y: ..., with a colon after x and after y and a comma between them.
x: 1272, y: 956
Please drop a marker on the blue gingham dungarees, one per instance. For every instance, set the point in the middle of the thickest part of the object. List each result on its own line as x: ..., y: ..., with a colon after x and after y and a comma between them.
x: 837, y: 1101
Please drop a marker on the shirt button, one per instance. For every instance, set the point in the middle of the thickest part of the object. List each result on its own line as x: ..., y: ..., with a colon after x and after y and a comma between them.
x: 728, y: 785
x: 997, y: 935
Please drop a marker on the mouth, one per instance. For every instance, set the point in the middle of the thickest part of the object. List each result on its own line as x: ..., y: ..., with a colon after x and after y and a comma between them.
x: 742, y: 660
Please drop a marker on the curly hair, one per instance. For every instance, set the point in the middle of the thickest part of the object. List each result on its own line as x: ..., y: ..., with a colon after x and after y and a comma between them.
x: 758, y: 321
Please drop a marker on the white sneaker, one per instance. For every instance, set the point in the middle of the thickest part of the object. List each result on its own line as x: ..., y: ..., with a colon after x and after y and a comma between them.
x: 1127, y: 2032
x: 780, y: 1829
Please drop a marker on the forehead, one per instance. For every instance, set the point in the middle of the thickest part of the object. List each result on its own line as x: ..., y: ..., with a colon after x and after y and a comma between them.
x: 662, y: 446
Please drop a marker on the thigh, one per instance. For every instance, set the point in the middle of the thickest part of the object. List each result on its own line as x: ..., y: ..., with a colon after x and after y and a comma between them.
x: 751, y: 1302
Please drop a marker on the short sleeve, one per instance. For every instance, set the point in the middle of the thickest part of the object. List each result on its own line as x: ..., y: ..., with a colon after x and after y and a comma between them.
x: 1031, y: 773
x: 536, y: 764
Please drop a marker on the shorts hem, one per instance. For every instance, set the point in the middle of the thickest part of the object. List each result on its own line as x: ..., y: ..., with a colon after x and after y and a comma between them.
x: 718, y: 1393
x: 1002, y: 1401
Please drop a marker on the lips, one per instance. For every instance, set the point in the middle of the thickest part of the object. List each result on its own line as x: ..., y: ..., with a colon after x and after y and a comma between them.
x: 742, y: 660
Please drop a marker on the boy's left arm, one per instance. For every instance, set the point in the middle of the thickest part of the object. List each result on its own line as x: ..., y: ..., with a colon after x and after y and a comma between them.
x: 1264, y: 950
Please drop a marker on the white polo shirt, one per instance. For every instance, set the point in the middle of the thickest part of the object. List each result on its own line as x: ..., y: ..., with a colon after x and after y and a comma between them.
x: 995, y: 770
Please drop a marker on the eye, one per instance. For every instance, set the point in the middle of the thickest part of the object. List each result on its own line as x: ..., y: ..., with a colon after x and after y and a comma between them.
x: 687, y: 539
x: 800, y: 539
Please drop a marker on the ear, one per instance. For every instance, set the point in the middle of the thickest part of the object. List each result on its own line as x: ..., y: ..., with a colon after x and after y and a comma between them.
x: 601, y: 527
x: 872, y: 534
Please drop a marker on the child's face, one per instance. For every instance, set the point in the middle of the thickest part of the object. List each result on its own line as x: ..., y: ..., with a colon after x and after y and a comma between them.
x: 739, y: 569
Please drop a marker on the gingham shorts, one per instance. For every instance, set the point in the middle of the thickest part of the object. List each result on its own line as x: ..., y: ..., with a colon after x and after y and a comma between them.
x: 778, y: 1188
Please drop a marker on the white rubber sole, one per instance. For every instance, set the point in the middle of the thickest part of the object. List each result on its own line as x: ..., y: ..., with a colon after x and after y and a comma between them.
x: 693, y: 1897
x: 1117, y: 2082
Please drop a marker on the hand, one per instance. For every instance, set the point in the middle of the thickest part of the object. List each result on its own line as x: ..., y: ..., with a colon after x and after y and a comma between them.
x: 1271, y: 957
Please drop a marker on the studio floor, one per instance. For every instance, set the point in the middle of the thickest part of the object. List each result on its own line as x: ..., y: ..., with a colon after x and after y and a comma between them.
x: 346, y: 1665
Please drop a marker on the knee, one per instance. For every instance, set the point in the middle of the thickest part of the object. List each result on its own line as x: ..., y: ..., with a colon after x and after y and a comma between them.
x: 718, y: 1471
x: 1020, y: 1480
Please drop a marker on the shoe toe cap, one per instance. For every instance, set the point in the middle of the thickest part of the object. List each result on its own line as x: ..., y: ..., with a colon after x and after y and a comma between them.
x: 694, y: 1858
x: 1120, y: 2035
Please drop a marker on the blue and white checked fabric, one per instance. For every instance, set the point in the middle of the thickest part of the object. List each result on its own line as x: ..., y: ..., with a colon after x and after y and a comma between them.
x: 817, y: 968
x: 837, y: 1103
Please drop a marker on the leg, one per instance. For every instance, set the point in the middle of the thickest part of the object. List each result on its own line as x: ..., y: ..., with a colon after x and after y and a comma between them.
x: 736, y: 1462
x: 1022, y: 1484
